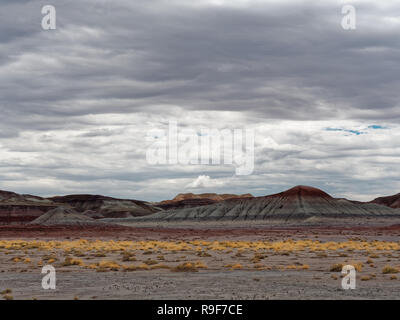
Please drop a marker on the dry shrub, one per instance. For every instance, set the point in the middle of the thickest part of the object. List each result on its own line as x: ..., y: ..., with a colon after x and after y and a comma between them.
x: 337, y: 267
x: 143, y: 267
x: 6, y: 291
x: 185, y: 267
x: 108, y: 265
x: 99, y: 255
x: 78, y: 254
x: 72, y: 262
x: 92, y: 266
x: 129, y: 268
x: 150, y: 262
x: 357, y: 265
x: 135, y: 268
x: 321, y: 255
x: 160, y: 266
x: 203, y: 254
x: 365, y: 278
x: 389, y: 269
x: 128, y: 256
x: 291, y: 267
x: 200, y: 265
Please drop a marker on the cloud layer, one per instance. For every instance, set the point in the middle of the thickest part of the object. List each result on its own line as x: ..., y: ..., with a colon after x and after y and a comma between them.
x: 76, y: 102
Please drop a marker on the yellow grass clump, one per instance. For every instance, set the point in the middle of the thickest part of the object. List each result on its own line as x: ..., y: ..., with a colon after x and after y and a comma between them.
x: 72, y: 262
x: 389, y: 269
x: 337, y: 267
x: 110, y: 265
x: 185, y: 267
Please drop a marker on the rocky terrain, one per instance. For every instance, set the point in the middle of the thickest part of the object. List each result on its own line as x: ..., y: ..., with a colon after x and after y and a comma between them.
x: 65, y: 217
x: 22, y: 209
x: 106, y: 206
x: 301, y: 203
x: 189, y: 200
x: 298, y: 205
x: 17, y: 208
x: 291, y: 263
x: 391, y: 201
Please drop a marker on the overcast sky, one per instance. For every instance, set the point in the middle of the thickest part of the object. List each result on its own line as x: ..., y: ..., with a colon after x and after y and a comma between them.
x: 77, y: 102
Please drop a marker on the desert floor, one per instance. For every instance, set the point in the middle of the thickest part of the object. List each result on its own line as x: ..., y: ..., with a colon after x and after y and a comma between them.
x: 167, y: 263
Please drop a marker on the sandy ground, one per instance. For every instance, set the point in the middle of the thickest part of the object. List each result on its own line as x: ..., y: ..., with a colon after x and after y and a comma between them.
x: 246, y: 285
x: 263, y: 274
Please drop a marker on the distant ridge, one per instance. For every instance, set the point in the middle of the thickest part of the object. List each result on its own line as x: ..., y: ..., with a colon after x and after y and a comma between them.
x: 303, y: 191
x: 390, y: 201
x: 23, y: 208
x: 188, y: 200
x: 300, y: 203
x: 295, y: 204
x: 62, y: 216
x: 106, y: 206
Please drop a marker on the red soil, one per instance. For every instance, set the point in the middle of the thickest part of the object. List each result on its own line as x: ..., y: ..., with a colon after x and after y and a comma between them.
x: 390, y: 201
x: 302, y: 191
x: 130, y: 233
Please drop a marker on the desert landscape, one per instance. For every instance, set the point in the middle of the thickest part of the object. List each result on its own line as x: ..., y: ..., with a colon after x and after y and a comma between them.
x: 290, y: 245
x: 199, y: 150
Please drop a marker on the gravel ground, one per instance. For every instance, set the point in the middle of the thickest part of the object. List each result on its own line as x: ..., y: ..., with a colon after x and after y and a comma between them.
x: 216, y: 282
x: 202, y: 285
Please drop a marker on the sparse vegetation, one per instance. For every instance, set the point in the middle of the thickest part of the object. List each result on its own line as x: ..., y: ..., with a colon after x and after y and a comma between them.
x: 6, y: 291
x: 389, y: 270
x: 72, y: 262
x: 337, y: 267
x: 185, y: 267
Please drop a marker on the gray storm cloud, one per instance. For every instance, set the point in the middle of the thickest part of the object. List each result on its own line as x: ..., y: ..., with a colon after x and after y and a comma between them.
x: 76, y: 102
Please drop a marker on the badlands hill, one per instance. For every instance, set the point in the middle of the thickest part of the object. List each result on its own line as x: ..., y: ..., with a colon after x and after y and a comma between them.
x: 62, y: 216
x: 106, y: 206
x: 212, y: 196
x: 21, y: 208
x: 297, y: 204
x: 391, y: 201
x: 189, y: 200
x: 18, y: 208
